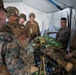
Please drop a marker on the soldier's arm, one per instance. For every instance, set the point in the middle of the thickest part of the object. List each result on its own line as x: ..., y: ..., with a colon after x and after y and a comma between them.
x: 27, y: 29
x: 13, y: 61
x: 7, y: 28
x: 38, y: 30
x: 65, y: 35
x: 73, y: 53
x: 26, y: 32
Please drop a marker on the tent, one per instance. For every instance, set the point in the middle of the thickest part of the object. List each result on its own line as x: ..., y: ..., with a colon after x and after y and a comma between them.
x: 48, y: 12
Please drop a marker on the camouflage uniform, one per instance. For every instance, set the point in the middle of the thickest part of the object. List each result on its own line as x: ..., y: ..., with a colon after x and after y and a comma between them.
x: 15, y: 29
x: 15, y: 57
x: 23, y: 30
x: 12, y: 27
x: 21, y: 26
x: 19, y: 32
x: 63, y: 35
x: 11, y: 11
x: 32, y: 28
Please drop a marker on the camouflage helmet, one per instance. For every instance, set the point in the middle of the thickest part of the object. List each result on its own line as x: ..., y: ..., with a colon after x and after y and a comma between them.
x: 32, y: 14
x: 22, y: 16
x: 12, y: 11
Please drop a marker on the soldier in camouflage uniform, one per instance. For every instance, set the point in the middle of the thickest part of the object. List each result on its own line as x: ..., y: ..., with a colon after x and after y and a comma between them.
x: 13, y: 59
x: 18, y: 30
x: 23, y: 37
x: 21, y: 20
x: 63, y: 34
x: 32, y: 26
x: 32, y: 29
x: 13, y: 26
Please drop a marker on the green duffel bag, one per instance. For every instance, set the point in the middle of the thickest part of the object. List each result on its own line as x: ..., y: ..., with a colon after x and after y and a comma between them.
x: 49, y: 42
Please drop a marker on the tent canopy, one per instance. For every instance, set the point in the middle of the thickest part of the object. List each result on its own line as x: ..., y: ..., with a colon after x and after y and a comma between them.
x: 47, y: 5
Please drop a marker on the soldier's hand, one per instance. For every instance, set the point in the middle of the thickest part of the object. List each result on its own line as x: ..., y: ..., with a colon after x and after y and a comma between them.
x: 68, y: 56
x: 22, y: 37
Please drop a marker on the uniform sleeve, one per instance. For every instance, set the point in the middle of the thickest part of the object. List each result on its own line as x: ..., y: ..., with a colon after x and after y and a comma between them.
x: 12, y: 59
x: 27, y: 29
x: 65, y: 35
x: 7, y: 28
x: 25, y: 32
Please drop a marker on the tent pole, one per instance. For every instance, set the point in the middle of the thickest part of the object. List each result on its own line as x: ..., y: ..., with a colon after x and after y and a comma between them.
x: 70, y: 21
x: 69, y: 25
x: 56, y: 4
x: 70, y: 18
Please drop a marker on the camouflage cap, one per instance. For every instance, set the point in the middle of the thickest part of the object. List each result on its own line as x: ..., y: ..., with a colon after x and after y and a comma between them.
x: 2, y: 5
x: 22, y: 16
x: 32, y: 14
x: 12, y: 11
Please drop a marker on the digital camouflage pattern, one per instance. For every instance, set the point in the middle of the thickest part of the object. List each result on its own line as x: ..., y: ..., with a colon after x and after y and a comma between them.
x: 18, y: 30
x: 23, y: 30
x: 32, y: 29
x: 12, y: 28
x: 22, y: 16
x: 11, y: 11
x: 63, y: 35
x: 12, y: 54
x: 15, y: 57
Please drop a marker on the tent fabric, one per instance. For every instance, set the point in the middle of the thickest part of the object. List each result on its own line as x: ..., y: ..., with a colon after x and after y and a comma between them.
x: 73, y: 22
x: 46, y: 5
x: 12, y: 0
x: 68, y: 3
x: 41, y: 5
